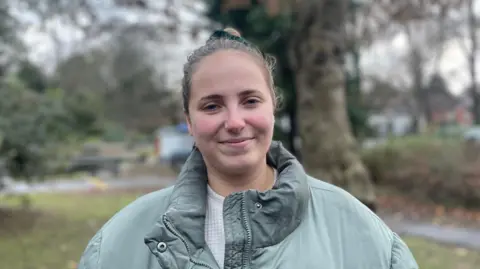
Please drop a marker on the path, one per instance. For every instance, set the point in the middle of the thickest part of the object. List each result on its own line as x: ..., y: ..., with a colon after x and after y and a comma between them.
x: 462, y: 237
x: 88, y: 183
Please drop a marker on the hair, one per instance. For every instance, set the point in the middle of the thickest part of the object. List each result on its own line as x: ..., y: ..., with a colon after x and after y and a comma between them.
x: 219, y: 43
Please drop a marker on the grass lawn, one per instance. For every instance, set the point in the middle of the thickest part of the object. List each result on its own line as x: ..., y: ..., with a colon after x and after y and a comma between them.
x: 55, y: 232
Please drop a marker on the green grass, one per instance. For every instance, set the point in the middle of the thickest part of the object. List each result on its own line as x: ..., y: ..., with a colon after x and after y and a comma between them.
x: 434, y: 256
x: 55, y: 232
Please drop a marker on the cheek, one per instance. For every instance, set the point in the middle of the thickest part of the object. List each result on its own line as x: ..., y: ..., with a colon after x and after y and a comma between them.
x: 263, y: 123
x: 205, y: 126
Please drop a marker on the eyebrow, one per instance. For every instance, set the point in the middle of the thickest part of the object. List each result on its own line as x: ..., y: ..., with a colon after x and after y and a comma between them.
x: 243, y: 93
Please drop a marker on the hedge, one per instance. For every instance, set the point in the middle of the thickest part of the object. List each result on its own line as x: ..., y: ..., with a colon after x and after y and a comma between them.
x: 442, y: 170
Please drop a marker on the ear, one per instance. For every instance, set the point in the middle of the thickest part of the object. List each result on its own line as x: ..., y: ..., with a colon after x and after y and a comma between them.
x: 189, y: 124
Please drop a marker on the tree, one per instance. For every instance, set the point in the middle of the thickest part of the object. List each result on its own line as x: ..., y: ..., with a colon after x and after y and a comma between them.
x: 463, y: 28
x: 120, y: 59
x: 96, y: 21
x: 317, y: 55
x: 34, y: 121
x: 438, y: 84
x: 33, y: 129
x: 132, y: 88
x: 140, y: 99
x: 472, y: 61
x: 32, y: 76
x: 11, y: 47
x: 426, y: 25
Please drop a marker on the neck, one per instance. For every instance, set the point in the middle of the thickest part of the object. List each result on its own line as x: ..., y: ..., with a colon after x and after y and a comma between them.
x: 261, y: 179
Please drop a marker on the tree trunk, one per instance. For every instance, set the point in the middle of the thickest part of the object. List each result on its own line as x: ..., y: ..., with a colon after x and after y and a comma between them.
x: 472, y: 59
x: 328, y: 148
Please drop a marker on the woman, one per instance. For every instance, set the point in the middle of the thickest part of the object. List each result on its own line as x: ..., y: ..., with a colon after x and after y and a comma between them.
x: 241, y: 200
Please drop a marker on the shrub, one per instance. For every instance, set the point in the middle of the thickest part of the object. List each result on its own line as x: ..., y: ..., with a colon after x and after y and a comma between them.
x: 427, y: 167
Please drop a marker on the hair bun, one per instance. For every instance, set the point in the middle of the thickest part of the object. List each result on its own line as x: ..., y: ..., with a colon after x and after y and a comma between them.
x: 232, y: 31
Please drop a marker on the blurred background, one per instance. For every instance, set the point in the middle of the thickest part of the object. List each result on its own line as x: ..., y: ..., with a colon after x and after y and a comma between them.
x: 380, y: 97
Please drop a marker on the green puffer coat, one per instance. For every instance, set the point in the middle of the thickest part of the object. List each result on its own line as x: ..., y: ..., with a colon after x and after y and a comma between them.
x: 302, y: 223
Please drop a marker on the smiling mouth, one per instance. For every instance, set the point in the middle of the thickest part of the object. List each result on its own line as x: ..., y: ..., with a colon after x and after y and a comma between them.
x: 236, y: 140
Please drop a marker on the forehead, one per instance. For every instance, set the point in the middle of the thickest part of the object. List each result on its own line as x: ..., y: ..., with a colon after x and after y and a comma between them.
x: 228, y: 72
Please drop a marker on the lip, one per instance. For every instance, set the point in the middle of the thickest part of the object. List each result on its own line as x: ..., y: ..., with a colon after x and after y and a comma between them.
x: 237, y: 142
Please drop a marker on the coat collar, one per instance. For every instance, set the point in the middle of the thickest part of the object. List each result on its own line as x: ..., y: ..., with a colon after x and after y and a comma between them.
x: 282, y: 209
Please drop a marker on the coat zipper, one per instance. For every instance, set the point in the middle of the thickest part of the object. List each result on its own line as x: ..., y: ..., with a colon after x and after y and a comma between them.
x: 170, y: 227
x: 246, y: 254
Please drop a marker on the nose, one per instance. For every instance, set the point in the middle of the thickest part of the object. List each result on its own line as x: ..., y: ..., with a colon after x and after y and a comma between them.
x: 234, y: 121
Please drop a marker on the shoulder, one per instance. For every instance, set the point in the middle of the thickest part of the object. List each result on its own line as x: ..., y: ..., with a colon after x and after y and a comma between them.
x: 341, y: 206
x: 144, y: 211
x: 130, y: 224
x: 335, y: 197
x: 341, y: 213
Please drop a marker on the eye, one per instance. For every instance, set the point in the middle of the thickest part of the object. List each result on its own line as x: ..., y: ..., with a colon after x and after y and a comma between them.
x: 210, y: 107
x: 252, y: 101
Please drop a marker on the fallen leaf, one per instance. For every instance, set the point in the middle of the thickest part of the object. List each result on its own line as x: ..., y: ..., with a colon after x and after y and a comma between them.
x: 72, y: 264
x: 98, y: 183
x: 461, y: 252
x: 439, y: 211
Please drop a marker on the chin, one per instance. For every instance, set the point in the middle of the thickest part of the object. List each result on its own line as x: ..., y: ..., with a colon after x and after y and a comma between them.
x: 238, y: 164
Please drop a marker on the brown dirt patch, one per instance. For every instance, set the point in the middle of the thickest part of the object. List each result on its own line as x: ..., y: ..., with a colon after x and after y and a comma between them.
x: 409, y: 208
x: 14, y: 220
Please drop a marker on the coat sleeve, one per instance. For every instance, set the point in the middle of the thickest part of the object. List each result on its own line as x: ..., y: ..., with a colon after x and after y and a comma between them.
x: 91, y: 256
x: 402, y: 257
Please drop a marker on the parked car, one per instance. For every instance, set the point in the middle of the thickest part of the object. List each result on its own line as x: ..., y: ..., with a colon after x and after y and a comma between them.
x: 472, y: 134
x: 92, y: 160
x: 173, y: 145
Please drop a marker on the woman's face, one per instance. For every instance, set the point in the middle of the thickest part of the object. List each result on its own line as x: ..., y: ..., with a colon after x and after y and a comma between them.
x: 231, y: 111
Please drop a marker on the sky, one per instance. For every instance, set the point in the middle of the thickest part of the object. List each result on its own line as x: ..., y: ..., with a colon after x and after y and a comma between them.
x: 384, y: 59
x: 44, y: 51
x: 387, y: 60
